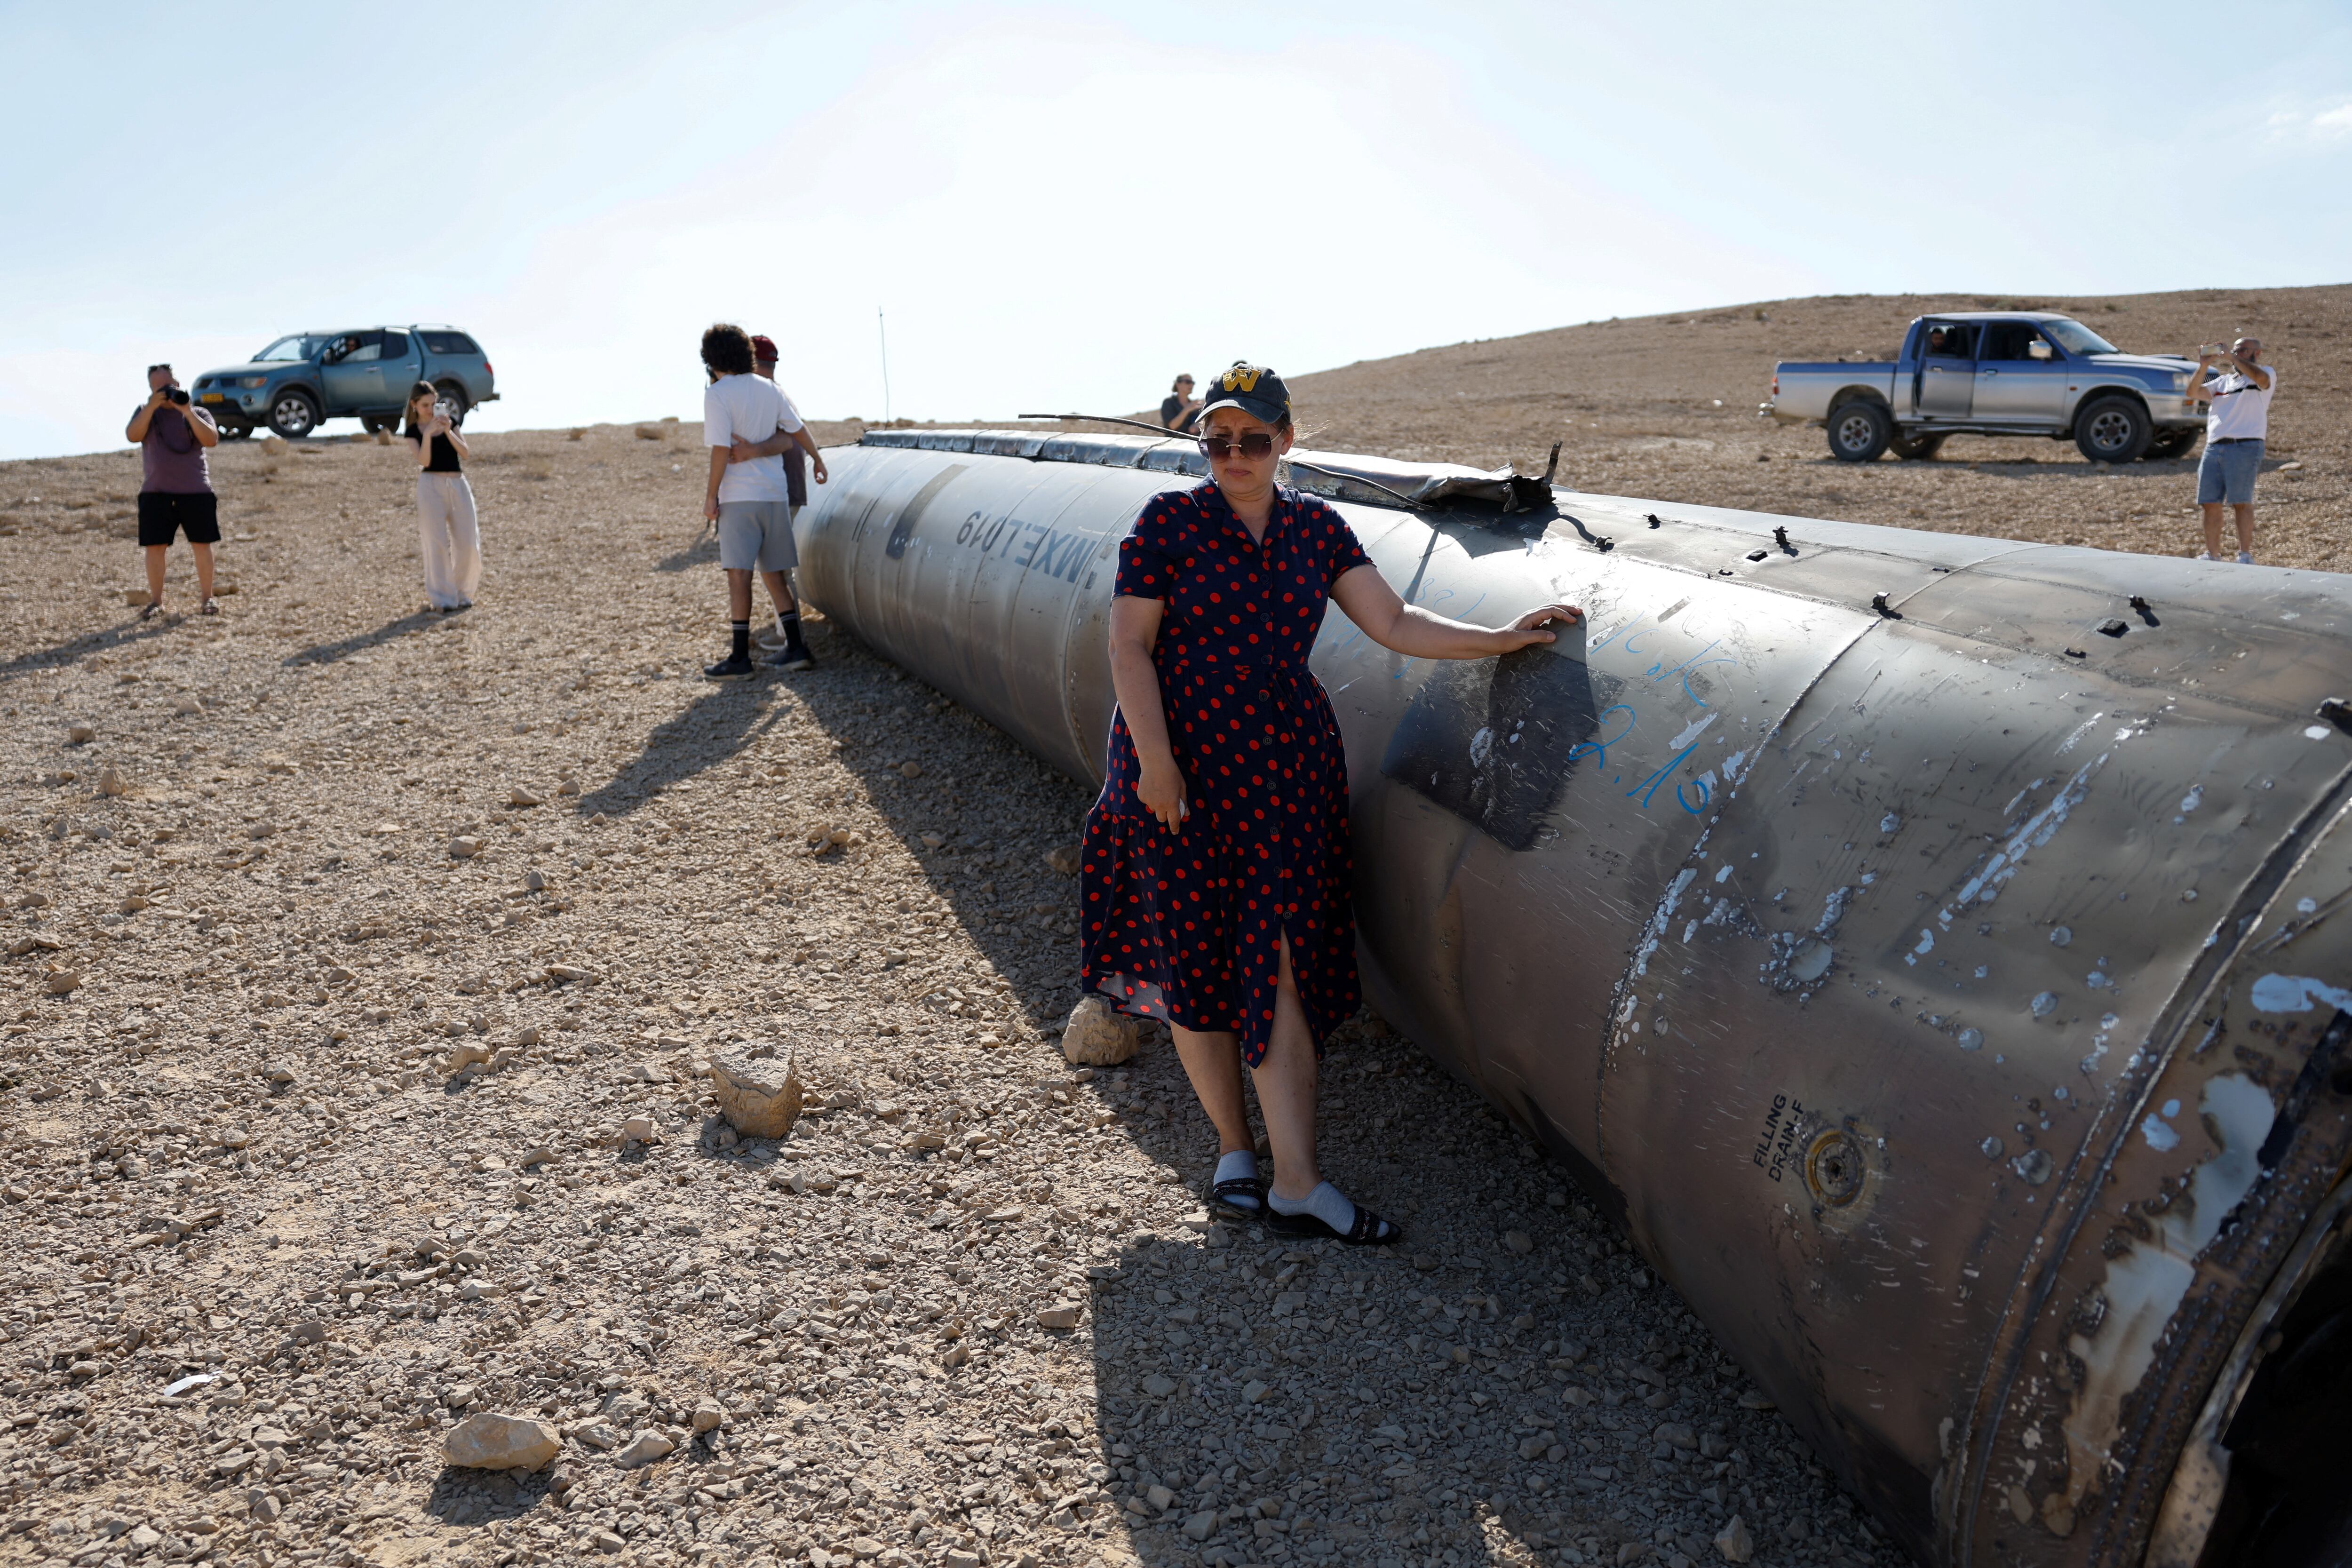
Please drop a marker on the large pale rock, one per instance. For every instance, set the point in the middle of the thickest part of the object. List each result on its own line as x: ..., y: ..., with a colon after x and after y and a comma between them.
x: 644, y: 1449
x: 1734, y: 1541
x: 760, y: 1097
x: 1096, y: 1037
x: 492, y: 1442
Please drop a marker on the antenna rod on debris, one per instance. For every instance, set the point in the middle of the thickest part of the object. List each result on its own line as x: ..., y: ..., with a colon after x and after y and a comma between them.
x: 882, y: 331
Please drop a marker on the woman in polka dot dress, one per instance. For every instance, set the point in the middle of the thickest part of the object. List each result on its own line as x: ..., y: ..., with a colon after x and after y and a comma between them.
x: 1217, y: 871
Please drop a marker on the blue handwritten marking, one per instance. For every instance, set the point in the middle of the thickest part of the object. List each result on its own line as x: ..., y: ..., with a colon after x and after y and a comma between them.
x: 1600, y: 748
x: 1703, y: 792
x: 1649, y: 786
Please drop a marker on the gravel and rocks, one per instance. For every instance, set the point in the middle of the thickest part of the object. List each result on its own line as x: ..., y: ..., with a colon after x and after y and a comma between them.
x: 357, y: 1064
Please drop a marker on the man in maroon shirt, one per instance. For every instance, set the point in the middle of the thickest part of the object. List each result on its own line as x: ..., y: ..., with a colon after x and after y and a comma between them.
x: 172, y: 436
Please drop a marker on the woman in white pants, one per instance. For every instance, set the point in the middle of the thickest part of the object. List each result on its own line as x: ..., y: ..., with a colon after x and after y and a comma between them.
x: 445, y: 503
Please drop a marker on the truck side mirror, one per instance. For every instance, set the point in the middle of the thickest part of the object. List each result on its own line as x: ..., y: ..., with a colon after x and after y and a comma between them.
x: 2037, y: 349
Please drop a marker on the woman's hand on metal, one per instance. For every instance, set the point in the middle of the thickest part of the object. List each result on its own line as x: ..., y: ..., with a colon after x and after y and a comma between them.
x: 1160, y: 786
x: 1530, y: 628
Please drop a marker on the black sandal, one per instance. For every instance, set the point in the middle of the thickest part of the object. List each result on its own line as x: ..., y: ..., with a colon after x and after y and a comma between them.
x: 1220, y: 1198
x: 154, y: 607
x: 1369, y: 1230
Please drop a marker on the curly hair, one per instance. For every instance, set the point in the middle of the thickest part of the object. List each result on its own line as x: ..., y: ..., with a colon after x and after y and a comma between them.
x: 726, y: 349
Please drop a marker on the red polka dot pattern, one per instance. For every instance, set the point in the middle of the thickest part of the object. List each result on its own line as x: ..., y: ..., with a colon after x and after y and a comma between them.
x: 1187, y: 927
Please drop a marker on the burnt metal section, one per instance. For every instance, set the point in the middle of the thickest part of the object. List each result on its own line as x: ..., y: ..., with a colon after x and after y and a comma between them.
x: 1945, y: 996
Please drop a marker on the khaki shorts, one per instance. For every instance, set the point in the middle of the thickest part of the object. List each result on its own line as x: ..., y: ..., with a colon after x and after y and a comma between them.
x: 756, y: 536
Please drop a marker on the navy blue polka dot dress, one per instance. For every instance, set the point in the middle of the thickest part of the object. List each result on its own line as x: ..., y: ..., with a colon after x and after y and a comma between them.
x: 1187, y: 926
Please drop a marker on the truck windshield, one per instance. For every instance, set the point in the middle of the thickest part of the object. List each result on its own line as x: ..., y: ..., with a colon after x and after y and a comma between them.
x: 295, y: 348
x: 2078, y: 338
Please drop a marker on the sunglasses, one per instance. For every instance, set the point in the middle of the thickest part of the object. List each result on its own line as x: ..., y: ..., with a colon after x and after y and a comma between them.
x: 1256, y: 443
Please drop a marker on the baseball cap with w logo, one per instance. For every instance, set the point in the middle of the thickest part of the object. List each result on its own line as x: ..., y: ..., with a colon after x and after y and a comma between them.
x: 1252, y: 388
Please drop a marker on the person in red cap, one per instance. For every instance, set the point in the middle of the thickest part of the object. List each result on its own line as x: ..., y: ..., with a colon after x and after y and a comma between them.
x: 792, y: 442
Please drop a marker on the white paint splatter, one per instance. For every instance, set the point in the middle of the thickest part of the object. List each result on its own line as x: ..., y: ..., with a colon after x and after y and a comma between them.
x: 2147, y: 1281
x: 2160, y: 1138
x: 1926, y: 943
x: 2193, y: 799
x: 2295, y: 993
x: 1723, y: 875
x: 1691, y: 732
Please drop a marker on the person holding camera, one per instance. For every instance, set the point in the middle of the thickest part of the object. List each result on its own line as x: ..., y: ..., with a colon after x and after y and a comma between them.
x: 176, y: 494
x: 2237, y: 430
x: 451, y: 536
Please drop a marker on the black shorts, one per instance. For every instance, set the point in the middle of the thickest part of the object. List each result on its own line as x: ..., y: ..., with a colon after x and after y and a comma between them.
x: 163, y: 514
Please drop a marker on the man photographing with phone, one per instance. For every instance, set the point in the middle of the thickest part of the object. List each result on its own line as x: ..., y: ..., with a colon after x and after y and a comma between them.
x: 176, y: 494
x: 2237, y: 429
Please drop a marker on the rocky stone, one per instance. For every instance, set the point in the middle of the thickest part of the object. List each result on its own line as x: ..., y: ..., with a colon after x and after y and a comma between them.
x: 488, y: 1441
x: 1675, y: 1435
x: 639, y: 1129
x: 605, y: 1540
x: 79, y: 735
x: 708, y: 1415
x: 1095, y: 1035
x: 61, y: 982
x: 1160, y: 1385
x: 1160, y: 1498
x: 518, y: 795
x: 760, y: 1096
x: 1519, y: 1242
x: 1061, y: 1315
x: 644, y: 1449
x: 110, y: 781
x: 1064, y: 859
x: 1734, y: 1541
x: 464, y: 848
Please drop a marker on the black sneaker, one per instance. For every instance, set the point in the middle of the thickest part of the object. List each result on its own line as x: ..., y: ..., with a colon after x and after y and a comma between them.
x: 795, y: 656
x: 728, y: 668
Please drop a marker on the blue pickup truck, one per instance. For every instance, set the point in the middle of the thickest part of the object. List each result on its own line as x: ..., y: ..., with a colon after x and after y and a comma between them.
x: 300, y: 382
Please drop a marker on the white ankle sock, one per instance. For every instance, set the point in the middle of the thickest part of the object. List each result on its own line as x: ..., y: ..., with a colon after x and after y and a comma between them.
x: 1326, y: 1203
x: 1239, y: 1165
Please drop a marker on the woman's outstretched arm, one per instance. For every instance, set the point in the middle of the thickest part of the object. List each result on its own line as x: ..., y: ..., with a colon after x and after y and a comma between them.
x: 1410, y: 630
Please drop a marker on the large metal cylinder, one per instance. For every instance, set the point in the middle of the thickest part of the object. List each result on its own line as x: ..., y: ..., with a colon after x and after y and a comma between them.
x: 1932, y: 950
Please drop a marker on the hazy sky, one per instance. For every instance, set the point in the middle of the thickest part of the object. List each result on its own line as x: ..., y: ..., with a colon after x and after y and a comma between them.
x: 1059, y: 206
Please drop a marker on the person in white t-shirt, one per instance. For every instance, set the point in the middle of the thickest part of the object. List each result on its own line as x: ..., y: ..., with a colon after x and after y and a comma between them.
x: 2237, y: 430
x: 750, y: 502
x: 793, y: 443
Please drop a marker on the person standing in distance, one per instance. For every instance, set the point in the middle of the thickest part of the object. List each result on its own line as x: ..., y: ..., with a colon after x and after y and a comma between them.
x: 1215, y: 869
x: 2237, y: 431
x: 1180, y: 408
x: 175, y: 491
x: 447, y: 526
x: 791, y: 442
x: 750, y: 502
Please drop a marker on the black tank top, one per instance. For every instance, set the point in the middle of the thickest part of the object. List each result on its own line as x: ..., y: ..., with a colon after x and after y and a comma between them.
x: 445, y: 455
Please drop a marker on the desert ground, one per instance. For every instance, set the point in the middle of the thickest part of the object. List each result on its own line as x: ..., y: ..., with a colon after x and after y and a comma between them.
x: 365, y: 967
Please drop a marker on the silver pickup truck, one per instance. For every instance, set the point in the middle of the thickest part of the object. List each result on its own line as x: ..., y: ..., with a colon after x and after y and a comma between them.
x: 1995, y: 372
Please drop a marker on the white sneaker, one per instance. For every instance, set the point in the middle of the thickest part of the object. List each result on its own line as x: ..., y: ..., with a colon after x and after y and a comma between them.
x: 2246, y: 558
x: 2204, y: 555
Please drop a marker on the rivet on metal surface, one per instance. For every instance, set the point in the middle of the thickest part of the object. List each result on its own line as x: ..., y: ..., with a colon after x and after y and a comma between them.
x: 1834, y: 1168
x: 2338, y: 712
x: 2112, y: 627
x: 1878, y: 602
x: 1653, y: 518
x: 2076, y: 653
x: 1758, y: 554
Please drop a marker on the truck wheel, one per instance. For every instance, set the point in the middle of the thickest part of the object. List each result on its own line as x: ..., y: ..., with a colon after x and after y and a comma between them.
x: 293, y: 413
x: 1917, y: 448
x: 2174, y: 444
x: 1860, y: 431
x: 454, y: 395
x: 2112, y: 430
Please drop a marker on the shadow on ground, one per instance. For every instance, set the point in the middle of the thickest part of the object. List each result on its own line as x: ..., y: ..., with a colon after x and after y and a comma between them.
x: 125, y: 634
x: 703, y: 551
x: 361, y: 642
x: 717, y: 726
